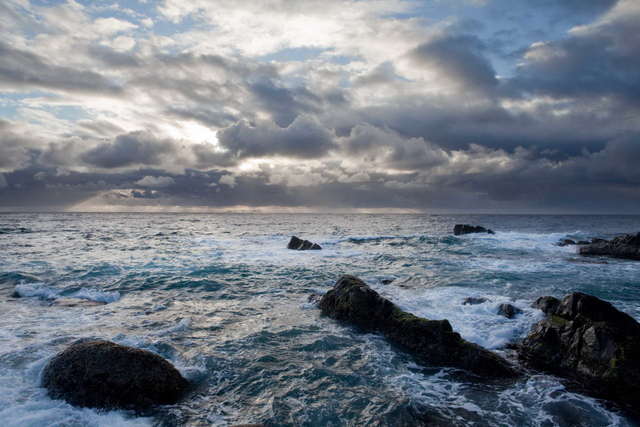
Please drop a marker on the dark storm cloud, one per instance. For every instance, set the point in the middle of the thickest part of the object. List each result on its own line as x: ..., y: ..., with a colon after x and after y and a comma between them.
x: 21, y: 68
x: 459, y: 57
x: 601, y: 60
x: 282, y: 103
x: 304, y: 138
x: 135, y: 148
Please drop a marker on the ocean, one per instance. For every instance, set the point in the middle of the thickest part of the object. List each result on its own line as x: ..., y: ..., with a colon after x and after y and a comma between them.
x: 221, y: 297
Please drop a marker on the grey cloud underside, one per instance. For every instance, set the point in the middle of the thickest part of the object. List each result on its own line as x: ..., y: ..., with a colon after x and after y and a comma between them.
x: 21, y: 68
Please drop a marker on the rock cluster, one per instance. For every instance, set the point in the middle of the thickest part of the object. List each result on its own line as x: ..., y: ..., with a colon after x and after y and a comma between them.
x: 460, y: 229
x: 627, y: 246
x: 432, y: 341
x: 302, y: 245
x: 587, y: 340
x: 102, y: 374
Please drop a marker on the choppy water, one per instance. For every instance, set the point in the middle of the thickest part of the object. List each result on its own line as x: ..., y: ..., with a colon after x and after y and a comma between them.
x: 221, y: 297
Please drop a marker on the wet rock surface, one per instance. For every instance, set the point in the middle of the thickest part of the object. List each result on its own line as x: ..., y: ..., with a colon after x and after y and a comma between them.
x: 589, y: 341
x: 460, y: 229
x: 433, y: 341
x: 302, y: 245
x: 627, y: 247
x: 508, y: 310
x: 103, y: 374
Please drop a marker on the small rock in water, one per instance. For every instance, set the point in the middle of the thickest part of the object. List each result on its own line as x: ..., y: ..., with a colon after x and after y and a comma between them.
x: 302, y: 245
x: 589, y: 341
x: 102, y: 374
x: 474, y: 300
x: 387, y: 281
x: 459, y: 229
x: 433, y: 341
x: 566, y: 242
x: 627, y: 247
x: 508, y: 310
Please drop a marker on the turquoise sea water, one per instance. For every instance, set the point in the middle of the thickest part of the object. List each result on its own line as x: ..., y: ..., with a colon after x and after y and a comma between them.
x: 221, y: 297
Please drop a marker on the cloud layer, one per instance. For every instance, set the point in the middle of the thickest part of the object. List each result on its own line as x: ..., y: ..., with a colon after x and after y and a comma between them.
x: 339, y: 104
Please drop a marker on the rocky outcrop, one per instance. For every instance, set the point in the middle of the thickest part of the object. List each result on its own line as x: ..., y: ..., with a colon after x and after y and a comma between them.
x: 432, y: 341
x: 302, y: 245
x: 460, y: 229
x: 508, y: 310
x: 627, y: 246
x: 102, y: 374
x: 587, y: 340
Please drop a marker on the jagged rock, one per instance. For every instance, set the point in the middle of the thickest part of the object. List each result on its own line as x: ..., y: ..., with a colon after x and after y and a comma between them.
x: 474, y: 300
x: 302, y: 245
x: 102, y: 374
x: 589, y: 341
x: 627, y: 246
x: 566, y: 242
x: 546, y: 304
x: 459, y: 229
x: 508, y: 310
x: 432, y: 341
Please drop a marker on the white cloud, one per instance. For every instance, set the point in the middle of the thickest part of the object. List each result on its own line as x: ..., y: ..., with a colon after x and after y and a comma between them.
x: 155, y: 181
x: 228, y: 180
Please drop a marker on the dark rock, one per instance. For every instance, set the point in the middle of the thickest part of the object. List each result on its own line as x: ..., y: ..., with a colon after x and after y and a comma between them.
x: 387, y: 281
x: 546, y: 304
x: 432, y: 341
x: 509, y: 311
x: 459, y: 229
x: 627, y: 246
x: 314, y: 299
x: 302, y: 245
x: 474, y: 300
x: 566, y: 242
x: 584, y: 242
x: 102, y: 374
x: 589, y: 341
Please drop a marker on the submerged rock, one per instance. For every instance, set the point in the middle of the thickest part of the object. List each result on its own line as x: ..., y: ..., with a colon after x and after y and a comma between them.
x: 102, y: 374
x: 433, y: 341
x: 76, y: 302
x: 302, y: 245
x: 474, y: 300
x: 587, y: 340
x: 627, y: 246
x: 459, y: 229
x: 508, y: 310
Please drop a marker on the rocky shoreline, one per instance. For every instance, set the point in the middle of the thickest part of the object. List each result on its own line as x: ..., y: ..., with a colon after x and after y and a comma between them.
x: 582, y: 339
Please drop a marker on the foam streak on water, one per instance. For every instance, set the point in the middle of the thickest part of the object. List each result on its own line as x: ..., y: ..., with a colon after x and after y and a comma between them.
x: 223, y: 299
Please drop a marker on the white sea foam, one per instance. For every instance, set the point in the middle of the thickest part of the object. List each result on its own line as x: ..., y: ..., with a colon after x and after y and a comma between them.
x: 96, y: 295
x: 478, y: 323
x: 36, y: 290
x: 42, y: 291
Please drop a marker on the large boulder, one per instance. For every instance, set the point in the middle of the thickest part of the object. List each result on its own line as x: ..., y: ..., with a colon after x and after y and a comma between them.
x: 302, y: 245
x: 589, y: 341
x: 102, y: 374
x: 627, y: 246
x: 508, y: 310
x: 459, y: 229
x: 432, y: 341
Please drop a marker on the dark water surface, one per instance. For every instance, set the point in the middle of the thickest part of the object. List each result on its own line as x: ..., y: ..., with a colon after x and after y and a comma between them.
x: 221, y: 297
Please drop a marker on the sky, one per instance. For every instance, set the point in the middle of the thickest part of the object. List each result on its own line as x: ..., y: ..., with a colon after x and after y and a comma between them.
x: 506, y: 106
